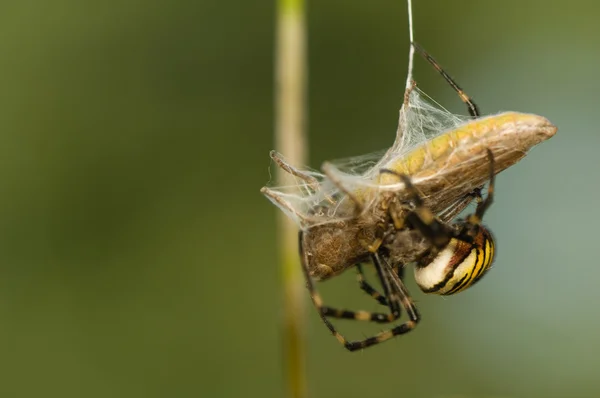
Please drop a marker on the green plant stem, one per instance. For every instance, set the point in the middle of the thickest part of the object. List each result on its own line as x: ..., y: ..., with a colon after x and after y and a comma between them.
x: 290, y: 140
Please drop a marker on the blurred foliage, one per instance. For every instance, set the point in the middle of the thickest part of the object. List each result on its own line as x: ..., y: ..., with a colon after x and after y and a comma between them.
x: 138, y: 258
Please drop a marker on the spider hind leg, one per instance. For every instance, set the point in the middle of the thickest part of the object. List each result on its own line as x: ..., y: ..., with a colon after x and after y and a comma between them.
x: 395, y: 295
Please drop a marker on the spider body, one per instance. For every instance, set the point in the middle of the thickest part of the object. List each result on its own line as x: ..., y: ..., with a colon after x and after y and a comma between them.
x: 457, y: 266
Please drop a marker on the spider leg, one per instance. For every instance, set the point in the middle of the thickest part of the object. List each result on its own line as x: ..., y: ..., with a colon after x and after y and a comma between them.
x: 326, y: 311
x: 473, y: 221
x: 395, y: 296
x: 401, y: 292
x: 422, y: 219
x: 367, y: 288
x: 482, y: 206
x: 370, y: 290
x: 473, y: 109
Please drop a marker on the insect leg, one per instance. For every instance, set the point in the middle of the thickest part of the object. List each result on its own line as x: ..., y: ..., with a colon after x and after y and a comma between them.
x: 340, y: 185
x: 311, y: 181
x: 277, y: 198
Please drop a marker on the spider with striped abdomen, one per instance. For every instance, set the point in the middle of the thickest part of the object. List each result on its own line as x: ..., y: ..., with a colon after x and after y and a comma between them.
x: 403, y: 212
x: 448, y: 257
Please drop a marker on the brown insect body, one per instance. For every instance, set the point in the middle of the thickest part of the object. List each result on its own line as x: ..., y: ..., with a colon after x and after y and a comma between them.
x: 445, y: 170
x: 334, y: 247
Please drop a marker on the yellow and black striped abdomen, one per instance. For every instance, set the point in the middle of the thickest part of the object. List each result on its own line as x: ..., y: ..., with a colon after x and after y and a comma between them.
x: 456, y: 267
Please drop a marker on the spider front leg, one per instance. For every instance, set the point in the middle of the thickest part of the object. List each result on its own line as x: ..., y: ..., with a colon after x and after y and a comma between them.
x: 421, y: 218
x: 438, y: 232
x: 473, y: 221
x: 471, y: 106
x: 469, y: 248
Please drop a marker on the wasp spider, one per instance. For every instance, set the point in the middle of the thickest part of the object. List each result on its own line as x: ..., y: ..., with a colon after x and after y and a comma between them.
x: 449, y: 257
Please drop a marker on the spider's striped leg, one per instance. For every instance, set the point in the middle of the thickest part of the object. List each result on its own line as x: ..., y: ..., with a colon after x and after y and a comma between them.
x: 392, y: 300
x: 400, y: 292
x: 421, y: 218
x: 484, y: 204
x: 326, y: 311
x: 472, y: 107
x: 370, y: 290
x: 394, y: 296
x: 435, y: 230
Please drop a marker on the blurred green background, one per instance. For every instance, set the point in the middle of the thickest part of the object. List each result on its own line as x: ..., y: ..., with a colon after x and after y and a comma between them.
x: 138, y: 258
